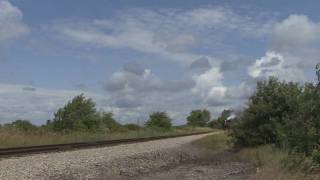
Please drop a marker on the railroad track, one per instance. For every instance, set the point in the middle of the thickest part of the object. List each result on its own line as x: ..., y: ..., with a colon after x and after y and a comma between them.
x: 20, y: 151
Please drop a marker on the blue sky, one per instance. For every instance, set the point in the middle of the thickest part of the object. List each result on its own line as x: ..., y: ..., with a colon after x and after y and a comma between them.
x: 135, y: 57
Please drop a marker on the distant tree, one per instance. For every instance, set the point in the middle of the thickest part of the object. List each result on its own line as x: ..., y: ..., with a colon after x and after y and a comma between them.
x: 159, y: 119
x: 80, y: 114
x: 132, y: 127
x: 21, y: 125
x: 199, y: 118
x: 212, y: 123
x: 77, y: 114
x: 223, y: 117
x: 108, y: 121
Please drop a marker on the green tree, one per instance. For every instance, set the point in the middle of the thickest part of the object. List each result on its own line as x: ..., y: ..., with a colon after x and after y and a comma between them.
x: 159, y: 119
x: 108, y: 121
x: 21, y: 125
x: 77, y: 114
x: 269, y: 110
x: 199, y: 118
x: 132, y: 127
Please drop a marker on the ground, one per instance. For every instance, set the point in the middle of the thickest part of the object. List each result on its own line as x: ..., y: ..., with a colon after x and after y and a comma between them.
x: 177, y: 158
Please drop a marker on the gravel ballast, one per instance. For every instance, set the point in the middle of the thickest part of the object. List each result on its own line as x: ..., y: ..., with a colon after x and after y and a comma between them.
x: 99, y: 163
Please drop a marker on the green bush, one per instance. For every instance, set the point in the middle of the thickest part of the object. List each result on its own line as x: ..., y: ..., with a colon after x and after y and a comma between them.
x: 316, y: 155
x: 80, y: 115
x: 269, y: 110
x: 21, y: 125
x: 282, y: 113
x: 199, y: 118
x: 107, y: 121
x: 159, y: 120
x: 132, y: 127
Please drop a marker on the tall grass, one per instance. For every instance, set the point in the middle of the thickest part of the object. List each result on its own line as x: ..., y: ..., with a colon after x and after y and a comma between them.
x: 271, y: 163
x: 14, y: 138
x: 274, y: 163
x: 216, y: 142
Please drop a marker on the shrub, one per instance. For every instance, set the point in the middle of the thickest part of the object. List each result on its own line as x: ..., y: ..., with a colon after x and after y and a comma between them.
x: 21, y: 125
x: 160, y: 120
x: 132, y: 127
x: 269, y: 110
x: 198, y: 118
x: 107, y: 121
x: 80, y: 115
x: 282, y: 113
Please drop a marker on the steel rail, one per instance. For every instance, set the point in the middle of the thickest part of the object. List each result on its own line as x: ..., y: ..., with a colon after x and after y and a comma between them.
x: 18, y: 151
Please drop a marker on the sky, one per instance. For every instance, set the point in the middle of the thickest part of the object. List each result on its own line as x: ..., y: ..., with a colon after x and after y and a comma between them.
x: 134, y: 57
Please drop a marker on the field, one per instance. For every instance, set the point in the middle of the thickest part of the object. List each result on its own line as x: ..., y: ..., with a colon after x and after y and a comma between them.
x: 12, y: 138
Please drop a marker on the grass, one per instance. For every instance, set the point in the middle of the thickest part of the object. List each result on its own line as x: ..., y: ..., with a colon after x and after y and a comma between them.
x: 270, y: 162
x: 216, y: 142
x: 12, y: 138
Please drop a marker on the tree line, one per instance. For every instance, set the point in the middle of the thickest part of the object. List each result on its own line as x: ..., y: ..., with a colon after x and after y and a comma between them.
x: 80, y: 114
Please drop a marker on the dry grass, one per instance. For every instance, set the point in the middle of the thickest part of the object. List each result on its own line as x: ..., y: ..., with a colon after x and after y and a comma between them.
x: 216, y: 142
x: 10, y: 138
x: 271, y: 163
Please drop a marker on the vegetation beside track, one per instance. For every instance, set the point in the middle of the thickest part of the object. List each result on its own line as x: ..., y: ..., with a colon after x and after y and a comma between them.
x: 12, y: 138
x: 79, y: 121
x: 270, y: 162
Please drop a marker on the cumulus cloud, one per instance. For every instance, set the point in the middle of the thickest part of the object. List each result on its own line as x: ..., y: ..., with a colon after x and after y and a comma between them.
x: 128, y: 81
x: 201, y: 64
x: 134, y: 78
x: 240, y: 93
x: 267, y: 65
x: 17, y: 101
x: 293, y: 50
x: 140, y: 94
x: 275, y: 64
x: 294, y: 32
x: 134, y: 68
x: 232, y: 65
x: 11, y: 25
x: 209, y: 87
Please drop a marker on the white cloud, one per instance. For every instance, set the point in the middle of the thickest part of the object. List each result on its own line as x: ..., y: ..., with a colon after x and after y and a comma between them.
x: 267, y: 65
x: 172, y: 34
x: 240, y: 92
x: 127, y: 82
x: 294, y: 32
x: 293, y: 52
x: 130, y: 89
x: 276, y: 64
x: 209, y: 87
x: 130, y: 35
x: 11, y: 25
x: 38, y: 104
x: 208, y: 16
x: 140, y: 94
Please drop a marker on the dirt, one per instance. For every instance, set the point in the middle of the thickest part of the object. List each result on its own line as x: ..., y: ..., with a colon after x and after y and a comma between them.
x: 219, y: 166
x: 191, y: 164
x: 164, y: 160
